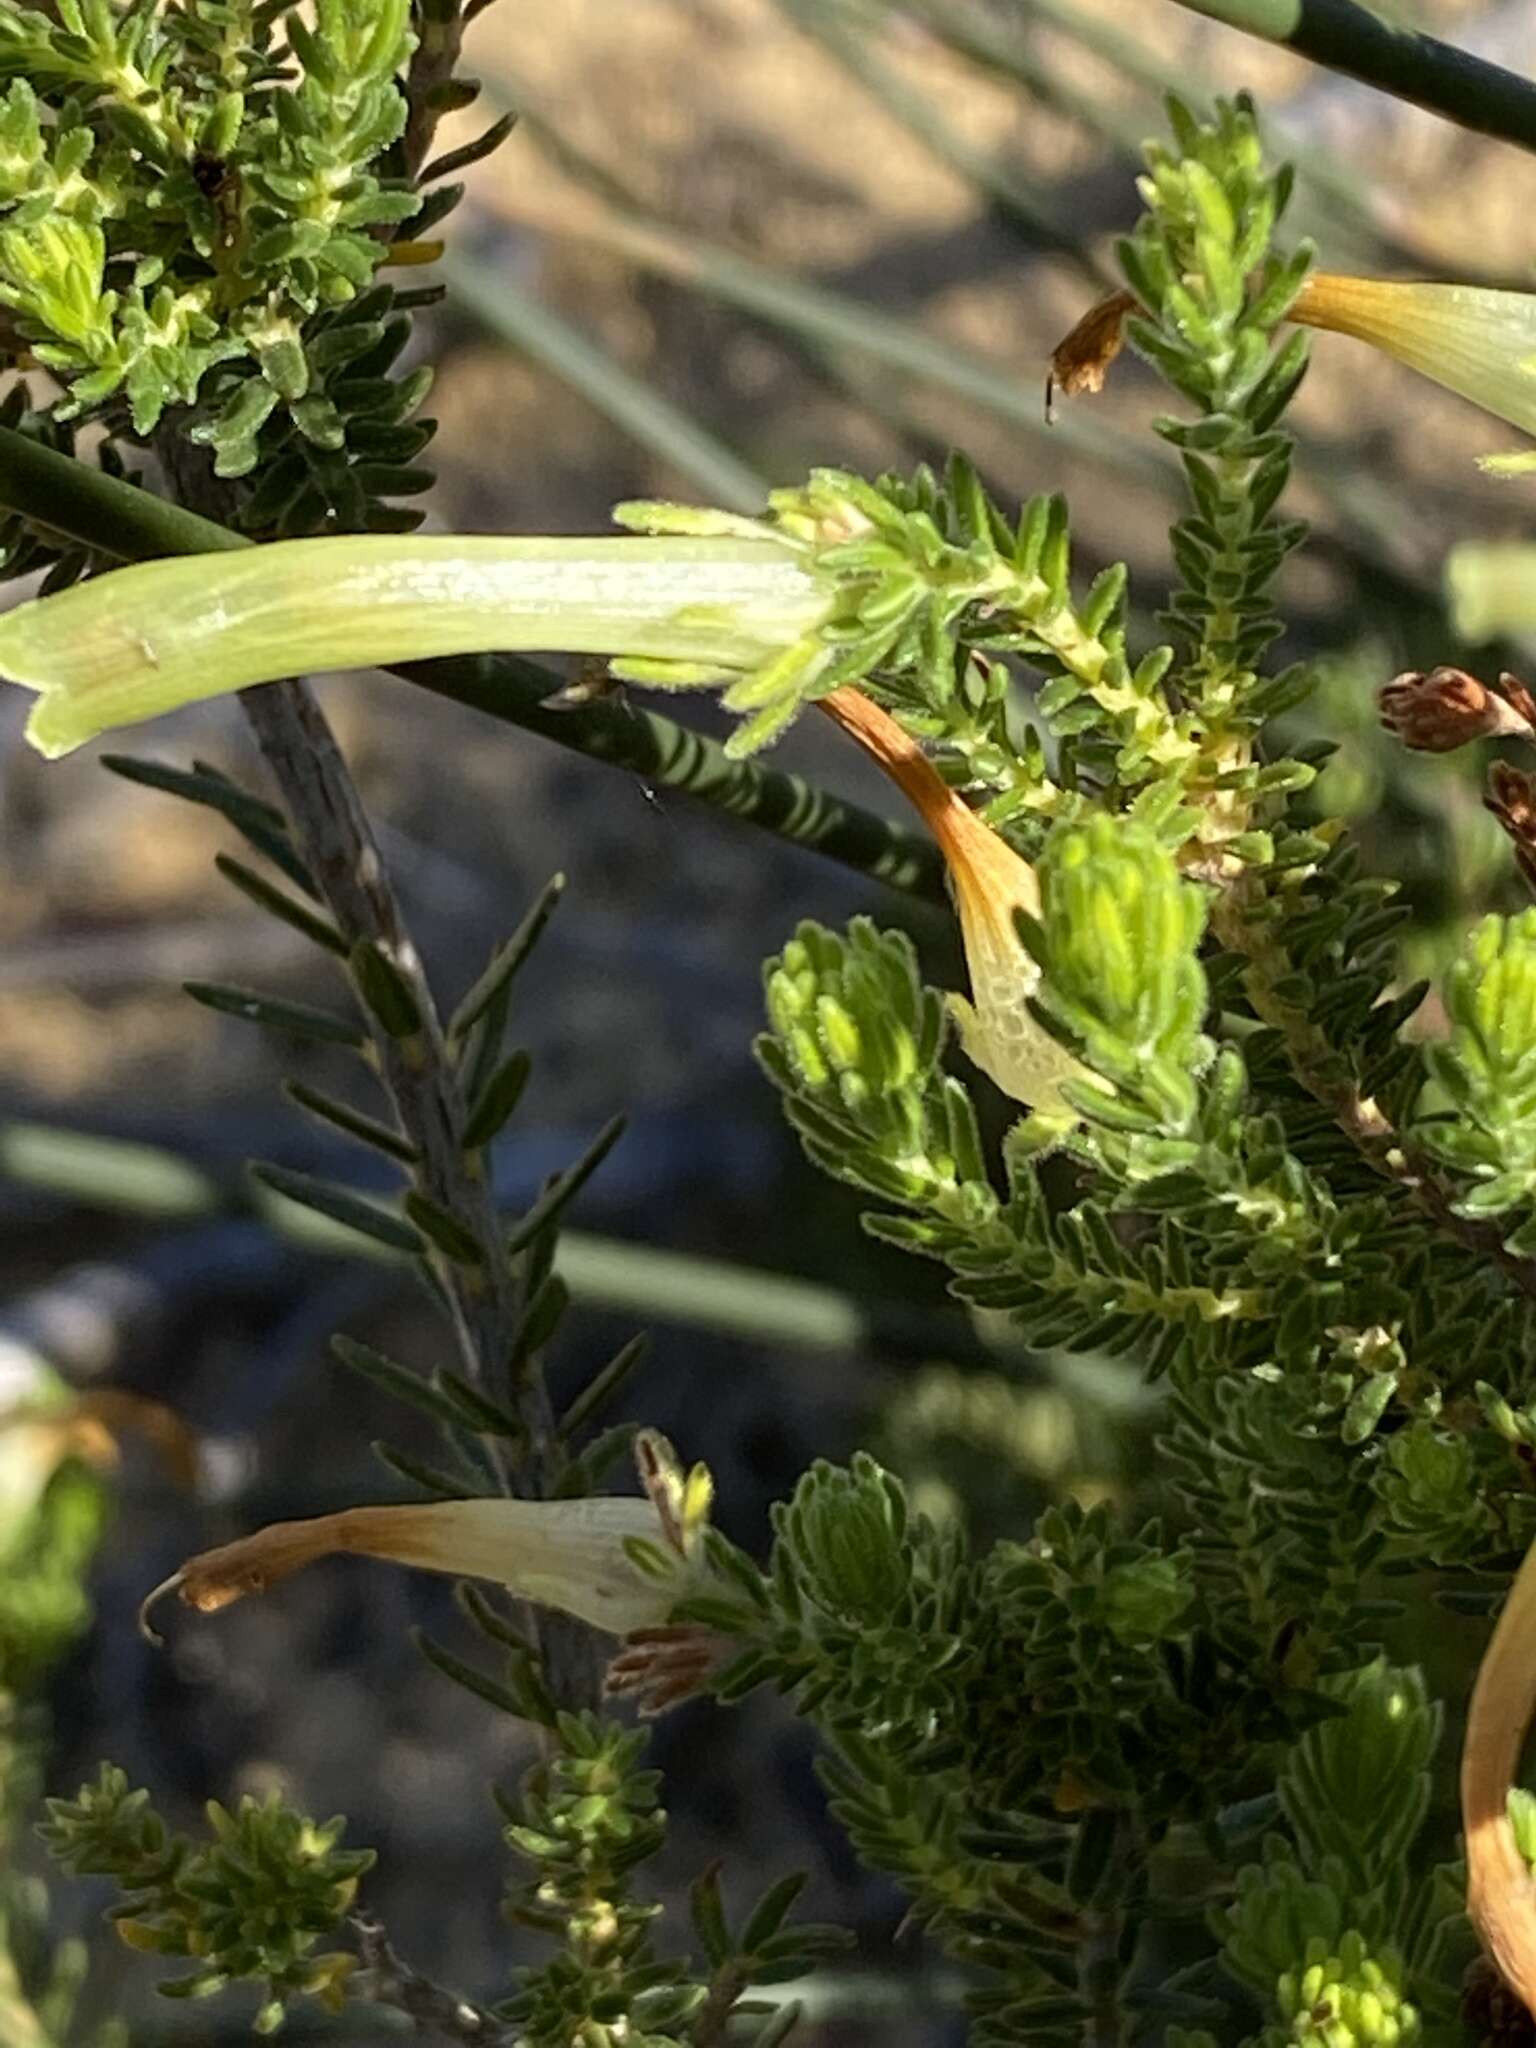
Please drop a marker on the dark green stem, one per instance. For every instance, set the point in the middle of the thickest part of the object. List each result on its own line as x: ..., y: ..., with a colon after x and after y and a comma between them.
x: 1367, y: 45
x: 130, y: 524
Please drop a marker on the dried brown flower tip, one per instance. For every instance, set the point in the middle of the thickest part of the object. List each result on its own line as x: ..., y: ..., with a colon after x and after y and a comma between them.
x: 1519, y: 697
x: 1082, y: 361
x: 1492, y: 2013
x: 1448, y: 708
x: 1511, y: 796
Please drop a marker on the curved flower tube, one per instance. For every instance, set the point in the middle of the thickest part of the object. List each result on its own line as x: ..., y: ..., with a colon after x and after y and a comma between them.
x: 1501, y: 1893
x: 609, y: 1560
x: 990, y: 882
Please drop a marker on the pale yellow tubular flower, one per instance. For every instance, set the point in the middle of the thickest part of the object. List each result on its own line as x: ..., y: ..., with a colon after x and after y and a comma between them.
x: 141, y: 641
x: 43, y: 1423
x: 990, y: 883
x: 1477, y: 342
x: 1501, y: 1896
x: 579, y: 1556
x: 1492, y: 589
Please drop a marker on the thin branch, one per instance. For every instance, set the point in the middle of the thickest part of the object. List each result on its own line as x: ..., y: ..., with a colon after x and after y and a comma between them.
x: 726, y: 1986
x: 428, y: 77
x: 435, y: 2010
x: 1370, y: 46
x: 485, y: 1301
x: 130, y: 524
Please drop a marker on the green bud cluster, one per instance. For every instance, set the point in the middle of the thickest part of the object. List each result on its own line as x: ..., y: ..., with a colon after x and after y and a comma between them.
x: 854, y: 1045
x: 192, y: 219
x: 1213, y: 292
x: 1349, y: 2000
x: 1315, y: 1924
x: 1117, y: 945
x: 588, y: 1818
x: 1485, y: 1072
x: 936, y: 587
x: 248, y: 1904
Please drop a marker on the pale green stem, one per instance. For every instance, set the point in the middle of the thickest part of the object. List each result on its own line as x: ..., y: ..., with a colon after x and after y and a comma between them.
x: 142, y: 641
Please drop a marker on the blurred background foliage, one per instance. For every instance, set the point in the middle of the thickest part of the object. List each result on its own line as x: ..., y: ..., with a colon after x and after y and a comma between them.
x: 729, y: 239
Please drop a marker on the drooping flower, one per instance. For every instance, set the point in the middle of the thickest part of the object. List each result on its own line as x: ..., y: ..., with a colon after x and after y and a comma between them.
x: 997, y: 1029
x: 618, y: 1562
x: 1501, y: 1894
x: 1447, y: 708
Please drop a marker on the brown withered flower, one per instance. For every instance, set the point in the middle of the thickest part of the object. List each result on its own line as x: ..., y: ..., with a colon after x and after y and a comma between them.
x: 1082, y: 361
x: 661, y: 1666
x: 1447, y: 708
x: 1511, y: 796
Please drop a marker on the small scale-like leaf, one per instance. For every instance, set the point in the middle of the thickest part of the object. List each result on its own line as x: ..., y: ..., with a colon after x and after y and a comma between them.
x: 417, y: 1472
x: 497, y: 1100
x: 771, y: 1911
x: 603, y: 1385
x: 319, y: 930
x: 455, y: 1240
x: 541, y: 1318
x: 385, y: 990
x: 341, y: 1205
x: 505, y: 961
x: 395, y: 1379
x: 779, y: 2026
x: 564, y: 1188
x: 494, y: 1625
x: 480, y: 1683
x: 586, y: 1473
x: 709, y: 1919
x: 298, y: 1020
x: 471, y: 152
x: 474, y: 1409
x: 342, y: 1116
x: 261, y: 824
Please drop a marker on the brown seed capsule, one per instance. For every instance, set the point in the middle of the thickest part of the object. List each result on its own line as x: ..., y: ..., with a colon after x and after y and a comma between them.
x: 1082, y: 361
x: 1447, y: 708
